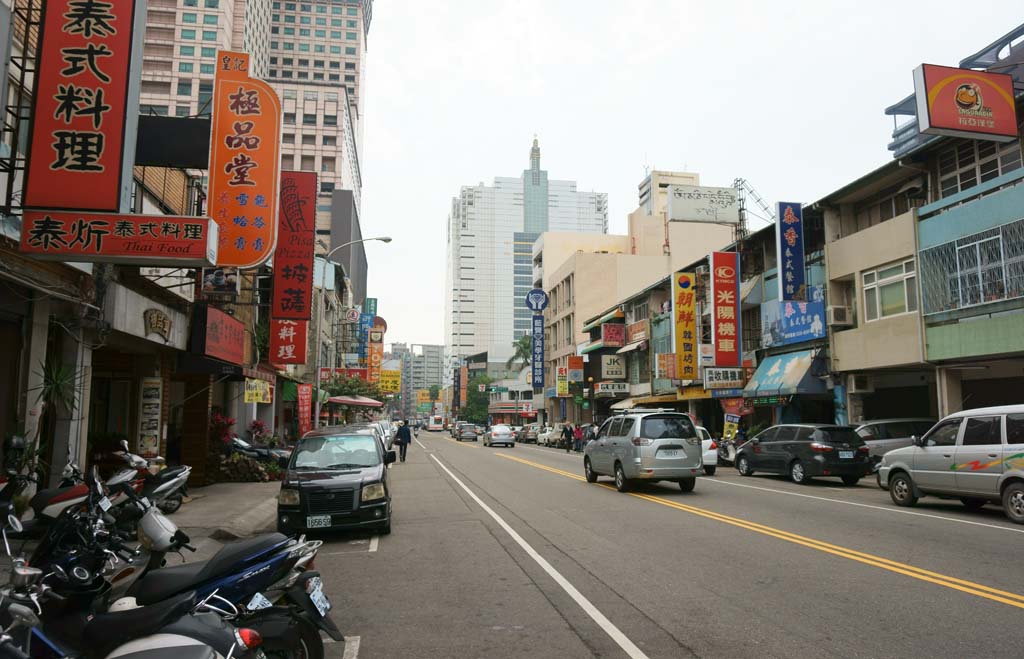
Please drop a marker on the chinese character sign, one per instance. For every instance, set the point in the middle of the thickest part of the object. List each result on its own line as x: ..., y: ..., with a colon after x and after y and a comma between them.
x: 390, y: 381
x: 613, y: 335
x: 537, y: 359
x: 463, y: 385
x: 725, y: 308
x: 293, y: 257
x: 106, y: 238
x: 684, y: 317
x: 789, y: 229
x: 365, y: 325
x: 288, y: 341
x: 965, y: 103
x: 374, y: 360
x: 245, y: 158
x: 575, y: 368
x: 78, y: 119
x: 370, y: 306
x: 784, y: 323
x: 223, y: 336
x: 304, y: 400
x: 562, y: 381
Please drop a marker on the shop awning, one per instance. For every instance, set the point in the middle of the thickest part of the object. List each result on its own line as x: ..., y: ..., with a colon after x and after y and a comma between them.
x: 630, y: 347
x: 652, y: 400
x: 624, y: 404
x: 785, y: 375
x: 614, y: 314
x: 355, y: 401
x: 592, y: 346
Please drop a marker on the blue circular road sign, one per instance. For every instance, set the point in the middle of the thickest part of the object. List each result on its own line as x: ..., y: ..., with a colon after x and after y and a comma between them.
x: 536, y: 300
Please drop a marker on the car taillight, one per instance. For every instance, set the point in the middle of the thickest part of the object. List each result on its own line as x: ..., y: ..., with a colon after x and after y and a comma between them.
x: 864, y: 449
x: 641, y: 441
x: 714, y: 445
x: 821, y: 448
x: 250, y: 638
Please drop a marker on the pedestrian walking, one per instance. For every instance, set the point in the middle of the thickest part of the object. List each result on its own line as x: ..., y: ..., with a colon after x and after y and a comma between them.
x: 577, y: 437
x: 567, y: 436
x: 403, y: 438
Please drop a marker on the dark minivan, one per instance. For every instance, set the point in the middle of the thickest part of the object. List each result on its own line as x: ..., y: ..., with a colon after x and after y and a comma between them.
x: 337, y: 478
x: 802, y: 451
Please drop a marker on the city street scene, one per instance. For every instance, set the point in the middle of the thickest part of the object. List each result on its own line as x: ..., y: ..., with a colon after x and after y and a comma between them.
x: 550, y: 328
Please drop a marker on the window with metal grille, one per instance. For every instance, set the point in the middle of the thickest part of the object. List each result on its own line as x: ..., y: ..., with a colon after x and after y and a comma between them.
x: 967, y: 163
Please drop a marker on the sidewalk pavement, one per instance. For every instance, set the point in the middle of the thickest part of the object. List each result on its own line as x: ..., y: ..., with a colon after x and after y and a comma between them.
x: 227, y: 511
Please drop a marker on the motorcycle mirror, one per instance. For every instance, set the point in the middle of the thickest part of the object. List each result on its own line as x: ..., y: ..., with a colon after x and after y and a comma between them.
x: 124, y: 443
x: 22, y: 616
x: 14, y: 523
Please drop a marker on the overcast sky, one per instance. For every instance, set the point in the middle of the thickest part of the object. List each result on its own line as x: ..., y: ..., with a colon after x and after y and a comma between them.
x: 788, y: 95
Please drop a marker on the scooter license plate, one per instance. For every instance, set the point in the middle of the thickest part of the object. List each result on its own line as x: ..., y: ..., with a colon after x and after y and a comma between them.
x: 319, y: 599
x: 318, y: 521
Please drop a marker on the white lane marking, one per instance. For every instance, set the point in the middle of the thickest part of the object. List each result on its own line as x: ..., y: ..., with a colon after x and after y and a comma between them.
x: 419, y: 442
x: 603, y: 622
x: 351, y: 648
x: 374, y: 541
x: 864, y: 505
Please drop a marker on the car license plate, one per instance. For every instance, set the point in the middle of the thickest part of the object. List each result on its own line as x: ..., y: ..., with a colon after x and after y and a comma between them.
x: 318, y: 521
x: 846, y: 455
x: 669, y: 453
x: 316, y: 595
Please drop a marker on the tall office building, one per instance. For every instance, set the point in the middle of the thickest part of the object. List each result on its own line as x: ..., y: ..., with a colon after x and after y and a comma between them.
x: 491, y: 231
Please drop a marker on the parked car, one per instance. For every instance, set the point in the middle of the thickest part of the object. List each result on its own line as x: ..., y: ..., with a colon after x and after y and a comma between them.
x: 805, y: 450
x: 529, y: 433
x: 500, y: 434
x: 387, y: 433
x: 546, y: 436
x: 466, y: 432
x: 710, y: 449
x: 974, y: 456
x: 336, y: 479
x: 645, y: 445
x: 457, y: 428
x: 884, y: 435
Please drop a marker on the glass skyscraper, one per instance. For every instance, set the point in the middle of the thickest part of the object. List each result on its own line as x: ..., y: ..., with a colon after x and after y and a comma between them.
x: 491, y: 231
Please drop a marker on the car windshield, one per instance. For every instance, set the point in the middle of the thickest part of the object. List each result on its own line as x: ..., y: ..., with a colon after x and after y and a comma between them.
x: 838, y: 436
x: 340, y: 452
x: 667, y: 427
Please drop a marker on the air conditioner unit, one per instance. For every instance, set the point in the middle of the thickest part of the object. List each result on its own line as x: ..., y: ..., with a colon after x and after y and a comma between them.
x: 861, y: 384
x: 839, y: 316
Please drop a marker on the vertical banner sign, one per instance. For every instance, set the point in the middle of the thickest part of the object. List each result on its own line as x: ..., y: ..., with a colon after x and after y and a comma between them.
x: 245, y: 158
x: 537, y: 358
x: 376, y: 350
x: 288, y: 341
x: 304, y: 400
x: 293, y: 256
x: 80, y: 106
x: 575, y: 368
x: 726, y: 330
x: 370, y: 306
x: 562, y: 381
x: 464, y: 389
x: 789, y: 230
x: 685, y: 318
x: 365, y: 325
x: 150, y: 402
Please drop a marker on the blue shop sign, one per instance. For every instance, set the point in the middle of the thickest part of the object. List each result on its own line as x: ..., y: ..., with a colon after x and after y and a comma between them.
x: 784, y: 323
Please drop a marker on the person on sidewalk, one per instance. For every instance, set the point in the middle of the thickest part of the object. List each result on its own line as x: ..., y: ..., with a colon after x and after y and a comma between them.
x: 567, y: 436
x: 403, y: 438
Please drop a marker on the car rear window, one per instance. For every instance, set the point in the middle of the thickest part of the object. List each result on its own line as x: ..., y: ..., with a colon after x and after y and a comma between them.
x: 838, y: 436
x: 667, y: 427
x: 339, y: 452
x: 501, y: 429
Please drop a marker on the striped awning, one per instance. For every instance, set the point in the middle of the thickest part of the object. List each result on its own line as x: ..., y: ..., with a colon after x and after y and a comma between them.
x: 592, y: 346
x: 614, y: 314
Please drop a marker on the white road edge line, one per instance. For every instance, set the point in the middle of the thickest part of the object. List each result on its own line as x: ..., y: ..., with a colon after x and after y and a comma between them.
x: 865, y: 505
x: 603, y: 622
x: 419, y: 442
x: 351, y: 648
x: 374, y: 541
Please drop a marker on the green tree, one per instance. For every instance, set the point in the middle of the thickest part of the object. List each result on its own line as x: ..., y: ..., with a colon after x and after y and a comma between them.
x: 522, y: 352
x: 353, y: 387
x: 435, y: 392
x: 476, y: 400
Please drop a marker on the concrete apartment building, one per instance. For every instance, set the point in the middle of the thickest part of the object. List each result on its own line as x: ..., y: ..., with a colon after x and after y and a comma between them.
x: 491, y: 232
x: 422, y: 367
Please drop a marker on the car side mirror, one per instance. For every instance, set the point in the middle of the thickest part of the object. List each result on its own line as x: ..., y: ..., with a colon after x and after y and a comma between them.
x: 389, y: 457
x: 916, y: 441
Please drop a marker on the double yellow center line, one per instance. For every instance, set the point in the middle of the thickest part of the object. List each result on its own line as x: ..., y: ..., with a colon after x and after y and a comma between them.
x: 979, y: 590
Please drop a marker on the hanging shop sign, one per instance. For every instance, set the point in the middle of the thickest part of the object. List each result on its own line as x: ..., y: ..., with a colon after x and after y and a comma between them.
x: 738, y: 405
x: 727, y: 393
x: 288, y: 341
x: 169, y: 240
x: 636, y: 332
x: 707, y: 354
x: 370, y: 306
x: 245, y: 160
x: 692, y: 393
x: 610, y: 389
x: 537, y: 352
x: 770, y: 400
x: 304, y: 405
x: 684, y: 316
x: 731, y: 426
x: 785, y: 323
x: 156, y: 321
x: 613, y: 335
x: 965, y: 103
x: 375, y: 358
x: 293, y: 256
x: 221, y: 282
x: 697, y: 203
x: 150, y: 412
x: 789, y: 241
x: 327, y: 373
x: 723, y: 378
x: 423, y: 395
x: 218, y: 335
x: 258, y: 391
x: 562, y: 381
x: 80, y: 119
x: 390, y: 381
x: 575, y: 368
x: 726, y: 329
x: 463, y: 385
x: 365, y: 324
x: 613, y: 367
x: 666, y: 364
x: 537, y: 301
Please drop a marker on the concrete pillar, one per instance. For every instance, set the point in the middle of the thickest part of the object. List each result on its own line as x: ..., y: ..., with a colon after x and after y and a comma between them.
x: 950, y: 391
x: 36, y: 358
x: 69, y: 437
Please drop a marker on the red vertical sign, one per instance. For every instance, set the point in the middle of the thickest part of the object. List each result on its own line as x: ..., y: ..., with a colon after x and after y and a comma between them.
x: 78, y: 115
x: 304, y: 398
x: 296, y: 235
x: 288, y: 341
x: 725, y: 308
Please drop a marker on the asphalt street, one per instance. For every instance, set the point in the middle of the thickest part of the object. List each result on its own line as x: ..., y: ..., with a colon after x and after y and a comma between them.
x: 499, y: 552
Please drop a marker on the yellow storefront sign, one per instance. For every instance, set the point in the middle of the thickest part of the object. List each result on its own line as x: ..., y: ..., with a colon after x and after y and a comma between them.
x: 390, y: 381
x: 257, y: 391
x: 692, y: 393
x: 684, y: 317
x: 422, y: 396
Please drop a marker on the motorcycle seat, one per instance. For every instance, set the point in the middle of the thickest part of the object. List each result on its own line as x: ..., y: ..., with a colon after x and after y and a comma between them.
x: 43, y: 498
x: 160, y: 584
x: 164, y: 475
x: 122, y: 626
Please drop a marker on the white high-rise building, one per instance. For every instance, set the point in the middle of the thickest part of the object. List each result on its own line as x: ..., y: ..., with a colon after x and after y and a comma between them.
x: 491, y: 231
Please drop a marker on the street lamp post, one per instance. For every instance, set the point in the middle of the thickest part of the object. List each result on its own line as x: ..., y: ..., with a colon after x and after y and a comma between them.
x: 590, y: 381
x: 320, y: 314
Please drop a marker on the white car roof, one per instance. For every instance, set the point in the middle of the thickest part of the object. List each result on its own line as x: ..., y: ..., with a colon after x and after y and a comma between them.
x: 978, y: 411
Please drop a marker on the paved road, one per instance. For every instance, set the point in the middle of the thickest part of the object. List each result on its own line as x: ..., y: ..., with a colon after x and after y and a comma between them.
x: 509, y: 553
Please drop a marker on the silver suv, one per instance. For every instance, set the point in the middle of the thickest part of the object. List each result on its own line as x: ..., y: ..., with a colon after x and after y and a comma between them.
x: 645, y: 445
x: 976, y: 456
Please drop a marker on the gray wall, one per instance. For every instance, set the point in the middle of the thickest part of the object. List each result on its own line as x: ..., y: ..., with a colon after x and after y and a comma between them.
x: 345, y: 228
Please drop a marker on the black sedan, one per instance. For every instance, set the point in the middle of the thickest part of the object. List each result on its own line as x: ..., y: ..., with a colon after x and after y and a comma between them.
x: 336, y: 480
x: 803, y: 451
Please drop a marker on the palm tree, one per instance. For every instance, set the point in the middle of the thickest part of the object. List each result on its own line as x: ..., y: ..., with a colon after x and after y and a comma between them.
x: 522, y: 352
